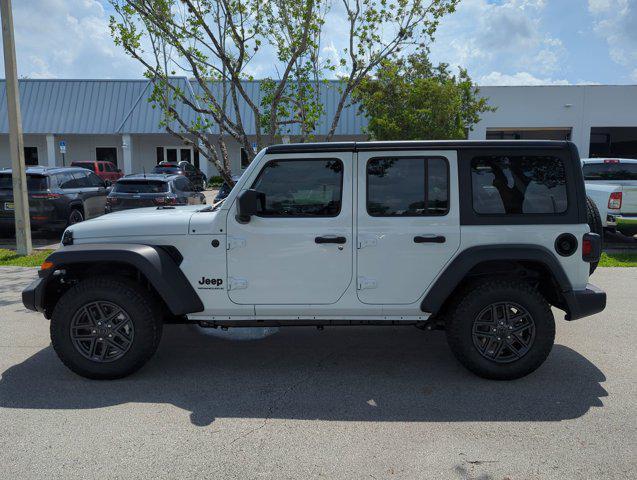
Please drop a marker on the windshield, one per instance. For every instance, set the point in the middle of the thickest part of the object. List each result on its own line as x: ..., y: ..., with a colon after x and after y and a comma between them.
x: 140, y: 186
x: 35, y: 183
x: 610, y: 171
x: 88, y: 166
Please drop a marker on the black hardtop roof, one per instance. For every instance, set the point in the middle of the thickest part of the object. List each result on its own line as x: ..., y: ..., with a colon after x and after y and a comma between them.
x: 413, y: 145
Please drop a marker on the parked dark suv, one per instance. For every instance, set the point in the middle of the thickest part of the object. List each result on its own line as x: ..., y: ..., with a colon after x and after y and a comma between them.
x: 184, y: 168
x: 137, y: 191
x: 58, y: 197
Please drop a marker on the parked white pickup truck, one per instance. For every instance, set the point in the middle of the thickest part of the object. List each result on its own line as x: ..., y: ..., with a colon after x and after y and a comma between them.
x: 612, y: 185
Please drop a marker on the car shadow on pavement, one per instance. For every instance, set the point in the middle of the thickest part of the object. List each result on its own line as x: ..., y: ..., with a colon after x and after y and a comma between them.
x: 350, y: 374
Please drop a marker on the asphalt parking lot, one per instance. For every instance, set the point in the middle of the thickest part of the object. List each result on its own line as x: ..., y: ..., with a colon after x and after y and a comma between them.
x: 356, y: 403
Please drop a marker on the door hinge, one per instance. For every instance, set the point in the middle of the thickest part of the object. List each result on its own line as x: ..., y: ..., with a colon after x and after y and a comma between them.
x: 235, y: 242
x: 365, y: 283
x: 237, y: 283
x: 366, y: 242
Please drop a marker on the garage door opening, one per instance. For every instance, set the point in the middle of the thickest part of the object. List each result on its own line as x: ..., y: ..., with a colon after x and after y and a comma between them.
x: 614, y: 142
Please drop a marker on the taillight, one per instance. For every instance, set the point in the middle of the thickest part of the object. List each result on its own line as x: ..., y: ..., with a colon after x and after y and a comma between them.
x: 587, y: 247
x: 165, y: 200
x: 47, y: 196
x: 611, y: 160
x: 615, y: 200
x: 591, y: 247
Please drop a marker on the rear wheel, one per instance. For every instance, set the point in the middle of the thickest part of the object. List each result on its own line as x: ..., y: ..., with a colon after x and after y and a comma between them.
x: 501, y: 330
x: 75, y: 216
x: 105, y: 328
x: 594, y: 220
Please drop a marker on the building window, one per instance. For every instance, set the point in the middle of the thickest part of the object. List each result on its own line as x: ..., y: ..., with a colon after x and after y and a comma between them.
x: 613, y: 142
x: 407, y: 186
x: 518, y: 185
x: 245, y: 161
x: 160, y: 154
x: 106, y: 154
x: 31, y: 155
x: 528, y: 134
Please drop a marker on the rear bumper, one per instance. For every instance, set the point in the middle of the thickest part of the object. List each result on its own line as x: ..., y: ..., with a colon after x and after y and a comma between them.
x: 33, y: 295
x: 582, y: 303
x: 37, y: 222
x: 626, y: 223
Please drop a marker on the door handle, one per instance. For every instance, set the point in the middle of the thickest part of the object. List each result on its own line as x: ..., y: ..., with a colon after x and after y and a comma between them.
x: 330, y: 239
x: 429, y: 239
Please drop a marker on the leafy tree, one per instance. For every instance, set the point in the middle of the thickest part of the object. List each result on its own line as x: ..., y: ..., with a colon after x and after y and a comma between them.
x: 410, y: 98
x: 217, y: 41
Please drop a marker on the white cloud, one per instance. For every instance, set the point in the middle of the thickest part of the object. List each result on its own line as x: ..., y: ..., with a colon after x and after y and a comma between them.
x: 521, y: 78
x: 508, y: 37
x: 616, y: 22
x: 67, y: 38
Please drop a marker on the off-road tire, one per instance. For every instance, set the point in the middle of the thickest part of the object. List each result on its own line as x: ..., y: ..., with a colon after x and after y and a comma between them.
x: 473, y: 300
x: 594, y: 220
x: 130, y: 297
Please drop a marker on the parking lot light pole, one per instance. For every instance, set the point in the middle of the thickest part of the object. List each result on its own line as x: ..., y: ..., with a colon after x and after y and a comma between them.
x: 16, y: 142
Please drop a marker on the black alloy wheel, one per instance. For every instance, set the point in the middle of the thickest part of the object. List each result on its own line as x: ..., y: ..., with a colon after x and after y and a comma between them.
x: 503, y: 332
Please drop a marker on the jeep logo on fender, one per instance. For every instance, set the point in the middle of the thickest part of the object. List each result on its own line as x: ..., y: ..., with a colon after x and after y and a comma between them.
x: 210, y: 283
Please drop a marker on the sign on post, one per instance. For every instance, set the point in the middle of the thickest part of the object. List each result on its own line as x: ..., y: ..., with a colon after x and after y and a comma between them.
x: 62, y: 146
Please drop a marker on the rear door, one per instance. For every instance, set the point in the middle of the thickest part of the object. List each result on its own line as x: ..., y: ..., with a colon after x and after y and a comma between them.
x: 408, y: 223
x: 93, y: 192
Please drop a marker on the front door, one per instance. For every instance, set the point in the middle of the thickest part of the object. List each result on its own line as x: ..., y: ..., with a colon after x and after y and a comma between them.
x: 299, y: 248
x: 408, y: 223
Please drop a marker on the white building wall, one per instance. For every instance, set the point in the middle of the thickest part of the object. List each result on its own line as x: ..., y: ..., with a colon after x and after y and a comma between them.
x: 82, y: 147
x: 573, y: 106
x: 38, y: 141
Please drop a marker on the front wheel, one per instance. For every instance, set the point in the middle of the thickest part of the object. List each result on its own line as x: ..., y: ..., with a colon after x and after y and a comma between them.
x: 501, y: 330
x: 105, y: 328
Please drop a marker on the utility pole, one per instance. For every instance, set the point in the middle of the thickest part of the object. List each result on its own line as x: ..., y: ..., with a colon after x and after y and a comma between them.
x: 16, y: 142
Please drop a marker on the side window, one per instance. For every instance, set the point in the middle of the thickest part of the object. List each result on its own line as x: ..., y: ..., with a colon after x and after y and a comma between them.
x: 82, y: 179
x: 100, y: 167
x: 407, y: 186
x: 181, y: 184
x: 301, y: 188
x: 518, y: 185
x: 94, y: 180
x: 66, y: 180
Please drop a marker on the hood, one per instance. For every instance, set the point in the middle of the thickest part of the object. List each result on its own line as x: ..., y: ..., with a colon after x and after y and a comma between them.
x: 147, y: 222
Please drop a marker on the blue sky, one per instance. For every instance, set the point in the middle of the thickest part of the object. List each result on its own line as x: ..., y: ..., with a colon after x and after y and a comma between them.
x: 501, y: 42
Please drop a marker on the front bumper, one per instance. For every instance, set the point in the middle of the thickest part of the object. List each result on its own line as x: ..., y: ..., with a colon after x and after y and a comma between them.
x: 582, y: 303
x: 33, y: 295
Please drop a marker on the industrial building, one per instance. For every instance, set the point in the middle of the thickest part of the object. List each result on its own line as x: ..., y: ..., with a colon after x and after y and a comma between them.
x: 114, y: 120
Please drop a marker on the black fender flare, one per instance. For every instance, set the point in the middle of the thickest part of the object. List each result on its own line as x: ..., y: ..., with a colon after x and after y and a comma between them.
x: 461, y: 265
x: 154, y: 262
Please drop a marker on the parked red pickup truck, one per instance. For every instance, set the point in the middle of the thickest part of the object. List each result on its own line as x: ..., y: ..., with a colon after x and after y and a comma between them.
x: 107, y: 171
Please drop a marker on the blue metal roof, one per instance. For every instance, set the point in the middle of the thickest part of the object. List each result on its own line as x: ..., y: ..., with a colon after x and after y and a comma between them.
x: 122, y: 106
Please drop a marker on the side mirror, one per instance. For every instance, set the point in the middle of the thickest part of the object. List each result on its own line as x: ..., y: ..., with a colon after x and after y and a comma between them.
x: 248, y: 204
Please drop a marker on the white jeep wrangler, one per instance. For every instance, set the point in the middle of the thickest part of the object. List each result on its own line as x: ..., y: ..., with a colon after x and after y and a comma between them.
x: 477, y: 238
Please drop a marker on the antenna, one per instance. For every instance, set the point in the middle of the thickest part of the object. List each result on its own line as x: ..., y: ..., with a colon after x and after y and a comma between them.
x: 144, y: 171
